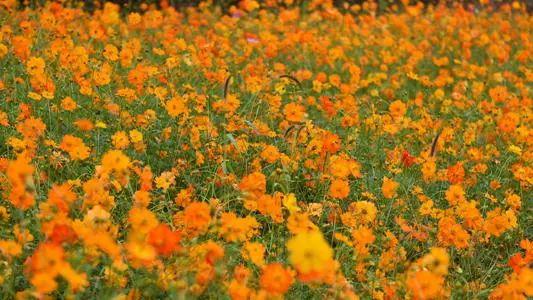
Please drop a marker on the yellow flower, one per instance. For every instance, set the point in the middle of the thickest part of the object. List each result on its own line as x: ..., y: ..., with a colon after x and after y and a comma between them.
x: 515, y: 149
x: 289, y: 201
x: 309, y: 252
x: 365, y: 211
x: 4, y: 214
x: 34, y: 96
x: 165, y: 180
x: 136, y: 136
x: 3, y: 50
x: 100, y: 124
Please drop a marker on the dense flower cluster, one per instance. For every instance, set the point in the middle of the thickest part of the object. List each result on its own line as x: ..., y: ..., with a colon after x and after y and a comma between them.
x: 282, y: 149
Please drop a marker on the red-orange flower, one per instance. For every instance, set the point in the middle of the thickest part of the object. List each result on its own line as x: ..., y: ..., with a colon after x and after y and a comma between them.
x: 164, y: 240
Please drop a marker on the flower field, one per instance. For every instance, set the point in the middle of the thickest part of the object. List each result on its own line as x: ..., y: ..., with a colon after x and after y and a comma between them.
x: 279, y: 149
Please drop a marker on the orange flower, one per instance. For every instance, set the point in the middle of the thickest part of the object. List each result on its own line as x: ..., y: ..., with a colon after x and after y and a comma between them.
x: 138, y: 76
x: 456, y: 173
x: 271, y: 206
x: 270, y: 154
x: 35, y: 66
x: 229, y: 105
x: 275, y: 279
x: 84, y: 124
x: 196, y: 218
x: 21, y: 47
x: 331, y: 143
x: 110, y: 52
x: 509, y: 122
x: 115, y: 160
x: 197, y: 117
x: 339, y: 167
x: 46, y: 263
x: 397, y: 109
x: 389, y: 187
x: 176, y: 107
x: 102, y: 76
x: 235, y: 229
x: 362, y: 237
x: 359, y: 213
x: 61, y: 196
x: 20, y: 176
x: 142, y: 198
x: 141, y: 254
x: 294, y: 112
x: 142, y: 220
x: 68, y: 104
x: 300, y: 222
x: 339, y: 189
x: 208, y: 252
x: 31, y: 128
x: 425, y: 285
x: 10, y: 248
x: 451, y: 233
x: 74, y: 147
x: 254, y: 184
x: 44, y: 283
x: 497, y: 223
x: 455, y: 194
x: 239, y: 290
x: 429, y: 168
x: 517, y: 286
x: 4, y: 120
x: 185, y: 196
x: 120, y: 140
x: 254, y: 252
